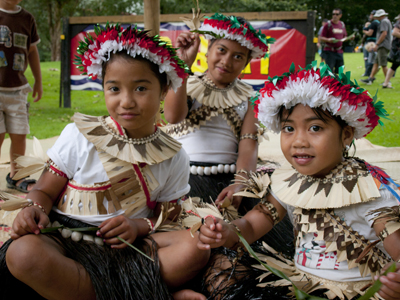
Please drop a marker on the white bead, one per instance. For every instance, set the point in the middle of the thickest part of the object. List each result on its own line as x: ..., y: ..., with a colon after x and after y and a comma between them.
x: 76, y: 236
x: 98, y: 241
x: 207, y: 171
x: 88, y: 237
x: 233, y: 168
x: 200, y: 171
x: 56, y: 224
x: 226, y: 169
x: 193, y: 170
x: 220, y: 168
x: 66, y: 233
x: 214, y: 170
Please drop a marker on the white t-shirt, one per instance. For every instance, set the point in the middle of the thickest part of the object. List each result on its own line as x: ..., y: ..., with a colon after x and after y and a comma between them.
x: 310, y: 255
x: 215, y: 141
x: 79, y: 160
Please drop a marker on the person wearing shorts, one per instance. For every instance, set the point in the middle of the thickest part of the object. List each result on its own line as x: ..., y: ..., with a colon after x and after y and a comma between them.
x: 383, y: 43
x: 18, y: 40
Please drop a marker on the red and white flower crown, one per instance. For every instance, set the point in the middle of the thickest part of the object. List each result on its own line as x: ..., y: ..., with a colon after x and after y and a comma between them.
x: 93, y: 52
x: 319, y: 87
x: 223, y: 27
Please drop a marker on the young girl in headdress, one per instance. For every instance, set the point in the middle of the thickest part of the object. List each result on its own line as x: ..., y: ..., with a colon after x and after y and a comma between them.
x: 344, y: 211
x: 117, y: 173
x: 210, y: 114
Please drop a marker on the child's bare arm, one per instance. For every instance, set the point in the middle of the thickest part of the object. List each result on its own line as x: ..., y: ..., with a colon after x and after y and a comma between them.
x: 175, y: 105
x: 45, y: 193
x: 392, y: 242
x: 252, y: 226
x: 247, y: 157
x: 34, y: 63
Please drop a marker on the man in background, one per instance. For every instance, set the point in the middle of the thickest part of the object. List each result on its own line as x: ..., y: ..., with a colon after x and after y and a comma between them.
x: 383, y: 43
x: 370, y: 37
x: 332, y: 34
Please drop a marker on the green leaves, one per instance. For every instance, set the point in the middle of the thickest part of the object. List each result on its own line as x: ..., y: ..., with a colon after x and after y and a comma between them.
x: 377, y: 284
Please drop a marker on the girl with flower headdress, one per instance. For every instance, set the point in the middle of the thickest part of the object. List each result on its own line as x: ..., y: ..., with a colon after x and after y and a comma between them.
x: 210, y: 114
x: 345, y: 211
x: 113, y: 176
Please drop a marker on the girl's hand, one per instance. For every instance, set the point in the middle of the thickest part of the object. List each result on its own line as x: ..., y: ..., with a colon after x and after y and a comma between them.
x: 228, y: 193
x: 390, y: 289
x: 188, y: 44
x: 213, y: 234
x: 29, y: 220
x: 118, y: 226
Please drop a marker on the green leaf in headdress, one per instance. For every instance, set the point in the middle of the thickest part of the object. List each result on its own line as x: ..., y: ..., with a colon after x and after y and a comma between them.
x: 292, y: 68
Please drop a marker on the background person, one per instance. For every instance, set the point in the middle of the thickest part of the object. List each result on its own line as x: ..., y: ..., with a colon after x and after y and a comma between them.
x: 370, y: 33
x: 396, y: 52
x: 332, y: 32
x: 383, y: 44
x: 18, y: 40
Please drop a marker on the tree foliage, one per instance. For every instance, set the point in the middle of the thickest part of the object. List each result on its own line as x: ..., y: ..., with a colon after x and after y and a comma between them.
x: 49, y: 13
x: 226, y: 6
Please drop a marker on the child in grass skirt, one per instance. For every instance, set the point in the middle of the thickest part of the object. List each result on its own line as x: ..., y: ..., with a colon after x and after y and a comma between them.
x: 345, y: 212
x: 117, y: 173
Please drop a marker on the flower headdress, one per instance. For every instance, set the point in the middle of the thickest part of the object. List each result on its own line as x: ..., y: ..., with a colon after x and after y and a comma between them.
x: 93, y: 52
x: 222, y: 27
x: 319, y: 87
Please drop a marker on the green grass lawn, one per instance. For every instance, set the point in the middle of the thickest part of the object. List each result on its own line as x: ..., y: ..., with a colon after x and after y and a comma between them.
x: 47, y: 119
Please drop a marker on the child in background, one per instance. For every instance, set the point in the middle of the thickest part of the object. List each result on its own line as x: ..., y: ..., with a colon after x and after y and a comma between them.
x: 210, y: 114
x: 340, y: 206
x: 18, y: 40
x: 117, y: 173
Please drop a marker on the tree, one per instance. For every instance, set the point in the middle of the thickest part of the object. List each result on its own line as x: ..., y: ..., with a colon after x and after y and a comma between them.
x: 226, y: 6
x: 49, y: 13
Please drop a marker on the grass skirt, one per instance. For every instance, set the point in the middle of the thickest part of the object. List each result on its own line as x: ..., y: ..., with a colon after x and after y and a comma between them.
x: 115, y: 273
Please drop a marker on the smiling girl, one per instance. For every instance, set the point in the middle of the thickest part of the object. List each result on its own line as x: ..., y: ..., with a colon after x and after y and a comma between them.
x: 117, y: 173
x: 210, y: 114
x: 340, y: 206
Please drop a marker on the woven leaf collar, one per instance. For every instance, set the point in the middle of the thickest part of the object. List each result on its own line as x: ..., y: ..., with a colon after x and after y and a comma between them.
x: 348, y: 183
x: 206, y: 93
x: 103, y: 133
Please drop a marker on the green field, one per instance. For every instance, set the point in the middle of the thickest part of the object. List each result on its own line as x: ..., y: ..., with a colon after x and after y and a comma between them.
x: 47, y: 119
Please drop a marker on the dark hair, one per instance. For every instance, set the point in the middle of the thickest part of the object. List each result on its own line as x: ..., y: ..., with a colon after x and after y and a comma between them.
x: 339, y: 10
x: 242, y: 21
x: 319, y: 112
x: 325, y: 20
x: 162, y: 77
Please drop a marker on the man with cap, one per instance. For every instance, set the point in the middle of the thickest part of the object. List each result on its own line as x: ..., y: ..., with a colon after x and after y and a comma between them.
x: 370, y: 33
x: 383, y: 43
x: 332, y: 33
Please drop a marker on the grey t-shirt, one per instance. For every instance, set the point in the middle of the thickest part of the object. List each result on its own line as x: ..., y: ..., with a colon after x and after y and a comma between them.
x: 385, y: 25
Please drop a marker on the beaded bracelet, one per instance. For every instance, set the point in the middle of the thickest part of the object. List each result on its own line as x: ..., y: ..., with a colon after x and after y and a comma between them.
x: 36, y: 204
x: 151, y: 225
x: 249, y: 136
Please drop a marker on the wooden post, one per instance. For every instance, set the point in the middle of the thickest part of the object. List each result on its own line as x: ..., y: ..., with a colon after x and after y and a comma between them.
x: 152, y: 16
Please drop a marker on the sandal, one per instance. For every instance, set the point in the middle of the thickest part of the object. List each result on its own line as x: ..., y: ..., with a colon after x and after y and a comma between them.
x: 387, y: 86
x: 22, y: 187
